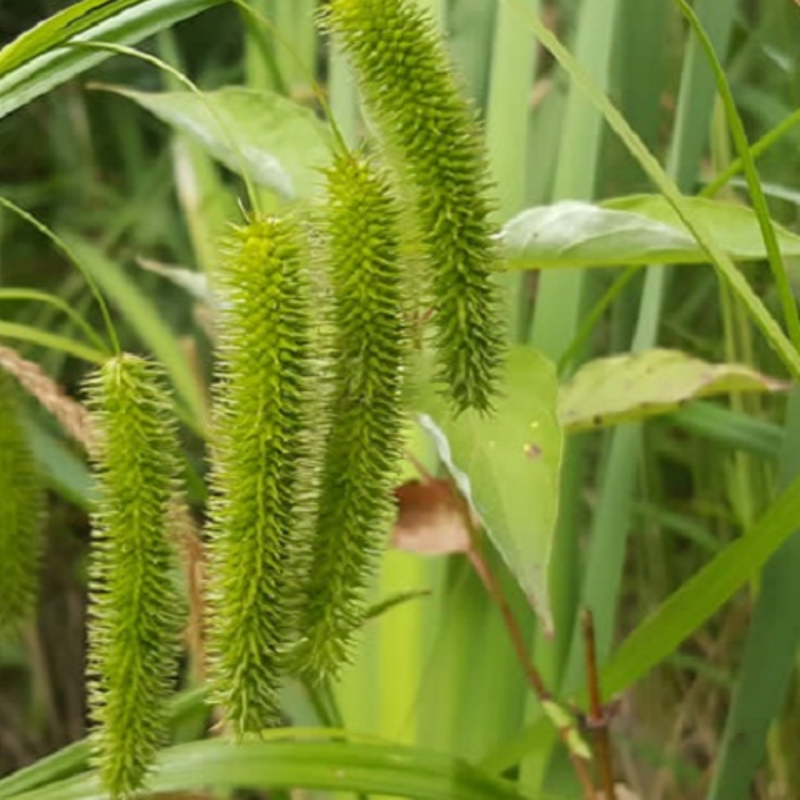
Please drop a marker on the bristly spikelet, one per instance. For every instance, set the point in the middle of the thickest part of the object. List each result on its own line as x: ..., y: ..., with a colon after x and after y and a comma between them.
x: 258, y: 445
x: 21, y: 503
x: 409, y: 87
x: 363, y: 440
x: 134, y: 619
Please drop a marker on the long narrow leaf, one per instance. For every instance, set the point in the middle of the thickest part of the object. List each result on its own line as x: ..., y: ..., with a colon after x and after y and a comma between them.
x: 770, y: 652
x: 57, y: 29
x: 739, y: 136
x: 53, y: 341
x: 686, y: 610
x: 361, y: 767
x: 34, y: 77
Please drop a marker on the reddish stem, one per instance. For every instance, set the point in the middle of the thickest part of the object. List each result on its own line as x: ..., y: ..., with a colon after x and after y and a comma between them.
x: 597, y: 719
x: 495, y: 591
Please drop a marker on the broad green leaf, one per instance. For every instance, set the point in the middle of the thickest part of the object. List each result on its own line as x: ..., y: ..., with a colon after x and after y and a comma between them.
x: 275, y: 763
x: 44, y: 57
x: 700, y: 597
x: 735, y: 226
x: 507, y: 465
x: 625, y: 388
x: 642, y: 229
x: 280, y: 143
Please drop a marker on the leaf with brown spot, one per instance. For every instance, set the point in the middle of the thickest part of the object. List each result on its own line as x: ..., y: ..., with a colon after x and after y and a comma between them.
x: 431, y: 518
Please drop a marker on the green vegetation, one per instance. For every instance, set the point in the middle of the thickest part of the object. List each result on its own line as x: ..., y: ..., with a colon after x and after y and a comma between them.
x: 431, y: 366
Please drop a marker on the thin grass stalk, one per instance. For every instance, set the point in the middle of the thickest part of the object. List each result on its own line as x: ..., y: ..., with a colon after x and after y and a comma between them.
x: 736, y: 127
x: 613, y: 514
x: 204, y: 203
x: 559, y: 307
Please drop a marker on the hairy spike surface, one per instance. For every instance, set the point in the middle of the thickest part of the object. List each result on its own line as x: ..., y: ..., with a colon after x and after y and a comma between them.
x: 408, y: 85
x: 21, y: 504
x: 259, y: 450
x: 134, y: 619
x: 363, y: 440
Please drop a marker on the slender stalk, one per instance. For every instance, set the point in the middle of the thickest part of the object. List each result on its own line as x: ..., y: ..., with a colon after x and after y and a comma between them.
x: 598, y: 719
x: 532, y: 675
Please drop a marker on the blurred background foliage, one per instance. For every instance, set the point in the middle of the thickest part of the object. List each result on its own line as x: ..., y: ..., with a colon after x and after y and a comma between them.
x: 643, y: 507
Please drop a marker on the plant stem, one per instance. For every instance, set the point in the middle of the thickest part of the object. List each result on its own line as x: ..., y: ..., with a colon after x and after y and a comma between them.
x: 495, y: 592
x: 598, y: 721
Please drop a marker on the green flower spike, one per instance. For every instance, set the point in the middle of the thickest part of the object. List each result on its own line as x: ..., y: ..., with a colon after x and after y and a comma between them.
x: 134, y: 620
x: 363, y: 441
x: 21, y: 504
x: 410, y: 90
x: 259, y: 448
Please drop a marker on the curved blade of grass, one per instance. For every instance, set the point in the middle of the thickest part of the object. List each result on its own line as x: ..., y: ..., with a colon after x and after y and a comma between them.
x: 44, y: 297
x: 53, y: 341
x: 64, y: 248
x: 327, y: 765
x: 736, y: 128
x: 74, y: 757
x: 725, y: 267
x: 225, y: 126
x: 691, y: 605
x: 57, y: 29
x: 54, y: 65
x: 761, y: 146
x: 141, y: 313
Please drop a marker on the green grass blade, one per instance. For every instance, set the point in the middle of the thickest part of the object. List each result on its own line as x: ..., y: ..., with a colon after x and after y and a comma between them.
x: 769, y: 654
x: 64, y: 472
x: 343, y: 96
x: 44, y: 297
x: 327, y: 765
x: 697, y: 599
x: 65, y: 249
x: 730, y: 428
x: 52, y: 341
x: 560, y: 306
x: 736, y: 127
x: 614, y: 509
x: 736, y: 166
x: 508, y: 111
x: 74, y: 758
x: 143, y: 317
x: 207, y: 207
x: 507, y: 123
x: 53, y: 67
x: 59, y: 28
